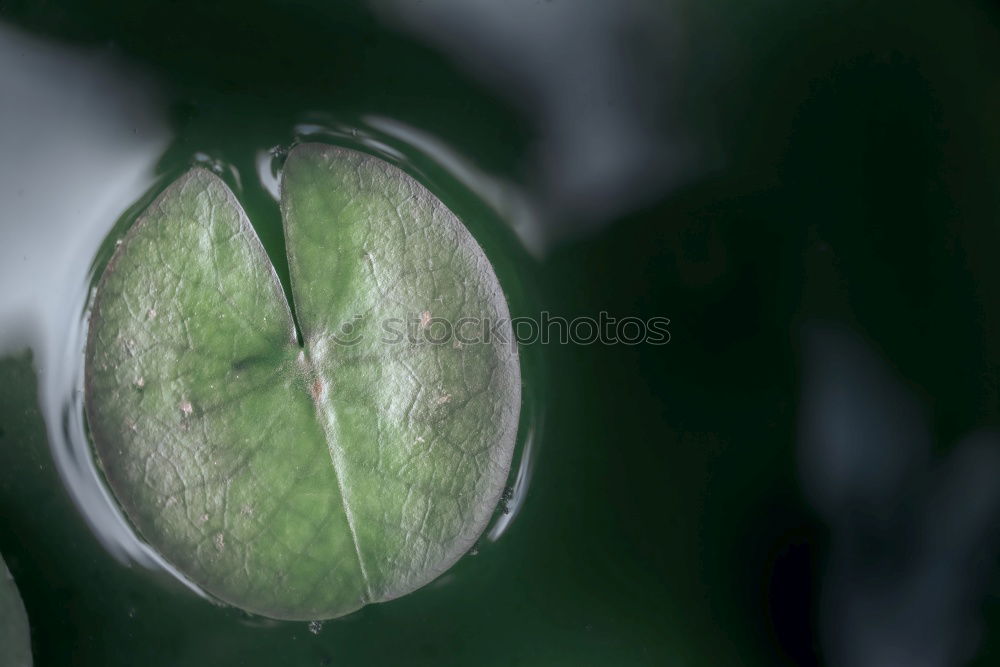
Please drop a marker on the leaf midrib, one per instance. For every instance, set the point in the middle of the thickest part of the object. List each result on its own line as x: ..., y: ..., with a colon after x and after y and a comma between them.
x: 327, y: 422
x: 310, y: 374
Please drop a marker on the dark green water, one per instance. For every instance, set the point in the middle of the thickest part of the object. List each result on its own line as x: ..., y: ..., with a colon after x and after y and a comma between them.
x: 848, y: 173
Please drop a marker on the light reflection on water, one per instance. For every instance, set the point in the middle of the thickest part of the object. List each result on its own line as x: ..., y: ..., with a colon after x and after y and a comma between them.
x: 519, y: 490
x: 605, y: 87
x: 81, y: 136
x: 90, y: 134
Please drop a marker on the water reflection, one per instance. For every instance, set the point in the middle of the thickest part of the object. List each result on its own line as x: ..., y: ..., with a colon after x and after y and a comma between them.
x: 605, y: 85
x: 912, y: 542
x: 268, y: 172
x: 81, y: 135
x: 518, y: 491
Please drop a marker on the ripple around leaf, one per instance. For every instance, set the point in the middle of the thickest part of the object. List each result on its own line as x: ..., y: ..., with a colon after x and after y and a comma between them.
x: 301, y: 481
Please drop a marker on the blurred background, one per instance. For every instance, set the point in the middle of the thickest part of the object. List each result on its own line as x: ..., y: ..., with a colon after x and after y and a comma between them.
x: 807, y: 474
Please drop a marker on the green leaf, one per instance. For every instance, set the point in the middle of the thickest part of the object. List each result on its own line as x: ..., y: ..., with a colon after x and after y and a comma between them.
x: 15, y: 640
x: 302, y: 482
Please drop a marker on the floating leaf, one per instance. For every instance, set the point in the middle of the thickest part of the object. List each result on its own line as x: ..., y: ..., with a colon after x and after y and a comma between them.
x: 303, y: 481
x: 15, y: 641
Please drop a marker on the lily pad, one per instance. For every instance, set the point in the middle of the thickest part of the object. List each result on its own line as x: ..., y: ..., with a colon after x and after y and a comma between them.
x: 303, y: 480
x: 15, y: 641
